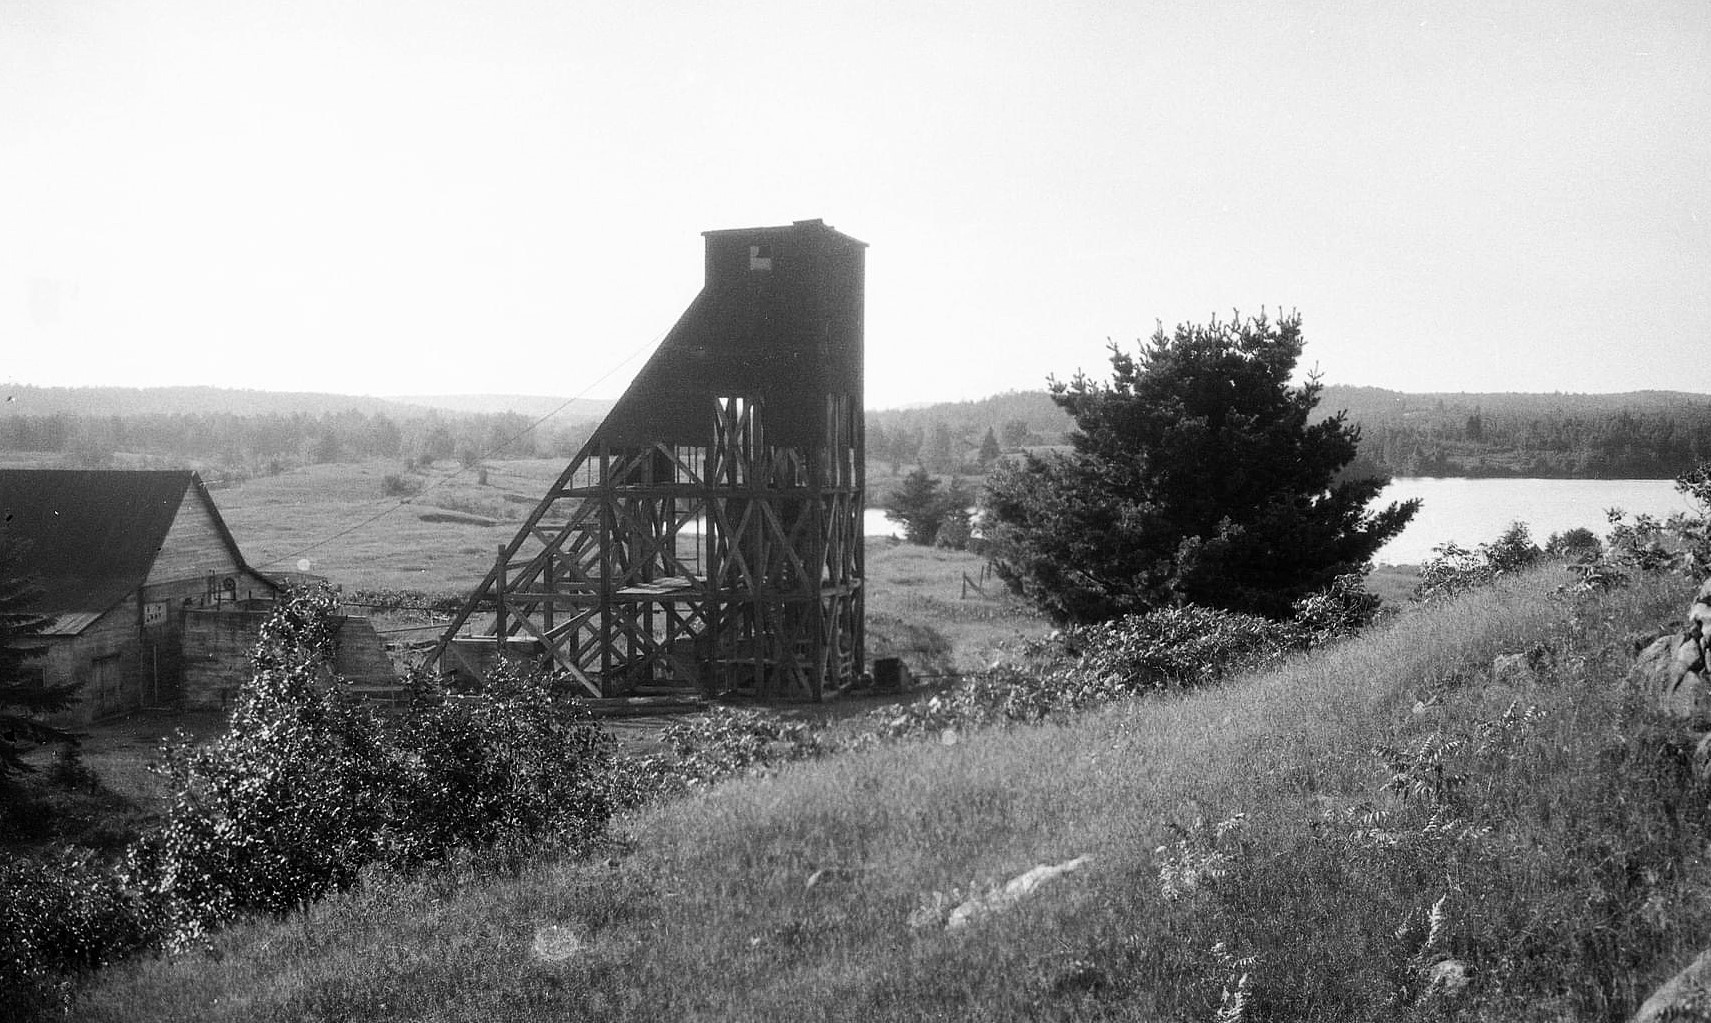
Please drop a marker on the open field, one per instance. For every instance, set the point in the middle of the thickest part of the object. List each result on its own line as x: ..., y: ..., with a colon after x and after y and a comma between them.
x: 340, y: 518
x: 1389, y: 805
x: 916, y: 603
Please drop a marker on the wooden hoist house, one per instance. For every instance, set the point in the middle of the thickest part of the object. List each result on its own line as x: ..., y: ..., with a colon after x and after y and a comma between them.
x: 709, y: 534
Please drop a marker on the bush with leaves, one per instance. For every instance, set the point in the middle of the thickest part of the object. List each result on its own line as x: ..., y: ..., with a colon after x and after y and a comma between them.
x: 1454, y: 569
x: 62, y: 915
x: 441, y: 602
x: 1340, y: 610
x: 1575, y: 545
x: 1003, y: 695
x: 1172, y: 648
x: 1086, y: 665
x: 724, y: 743
x: 1681, y: 543
x: 283, y: 807
x: 510, y: 767
x: 305, y: 788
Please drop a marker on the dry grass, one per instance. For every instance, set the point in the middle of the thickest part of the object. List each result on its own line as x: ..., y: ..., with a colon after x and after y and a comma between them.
x: 306, y: 513
x: 704, y: 910
x: 919, y: 608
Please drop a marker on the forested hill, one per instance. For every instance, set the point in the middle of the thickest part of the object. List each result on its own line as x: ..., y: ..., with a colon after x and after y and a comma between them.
x: 23, y: 399
x: 1639, y: 434
x: 237, y: 432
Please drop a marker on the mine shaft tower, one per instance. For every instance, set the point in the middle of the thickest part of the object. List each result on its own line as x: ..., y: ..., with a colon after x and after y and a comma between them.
x: 709, y: 533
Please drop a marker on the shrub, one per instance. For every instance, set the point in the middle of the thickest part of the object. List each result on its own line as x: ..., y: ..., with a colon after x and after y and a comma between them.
x: 61, y: 916
x: 305, y: 789
x: 1085, y: 665
x: 1339, y: 611
x: 1174, y: 647
x: 443, y: 602
x: 1577, y: 544
x: 395, y: 485
x: 510, y: 767
x: 1454, y: 569
x: 724, y: 743
x: 1512, y: 551
x: 1681, y: 543
x: 282, y: 808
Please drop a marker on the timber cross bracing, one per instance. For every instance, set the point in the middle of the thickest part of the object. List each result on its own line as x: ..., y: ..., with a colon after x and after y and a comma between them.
x: 709, y: 534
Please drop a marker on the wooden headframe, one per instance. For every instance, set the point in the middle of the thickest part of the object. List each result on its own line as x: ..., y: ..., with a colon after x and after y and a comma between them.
x: 709, y: 534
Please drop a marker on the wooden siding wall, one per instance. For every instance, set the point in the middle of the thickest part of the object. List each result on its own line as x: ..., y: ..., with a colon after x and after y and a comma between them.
x: 217, y: 647
x: 193, y: 548
x: 106, y: 660
x: 217, y: 655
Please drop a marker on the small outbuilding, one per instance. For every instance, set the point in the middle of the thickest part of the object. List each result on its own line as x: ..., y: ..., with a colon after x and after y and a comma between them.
x: 140, y: 575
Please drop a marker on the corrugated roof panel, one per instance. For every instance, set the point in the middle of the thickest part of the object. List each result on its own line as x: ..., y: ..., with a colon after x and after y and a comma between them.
x: 71, y: 624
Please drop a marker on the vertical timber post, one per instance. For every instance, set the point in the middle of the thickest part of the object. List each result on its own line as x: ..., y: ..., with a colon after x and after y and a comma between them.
x: 499, y: 602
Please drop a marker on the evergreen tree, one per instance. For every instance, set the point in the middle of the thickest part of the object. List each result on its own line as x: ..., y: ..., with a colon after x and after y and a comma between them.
x: 921, y: 508
x: 942, y: 453
x: 1195, y: 477
x: 22, y: 694
x: 989, y: 449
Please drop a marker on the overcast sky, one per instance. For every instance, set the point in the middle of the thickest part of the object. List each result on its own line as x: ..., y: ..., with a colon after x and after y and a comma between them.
x: 394, y: 197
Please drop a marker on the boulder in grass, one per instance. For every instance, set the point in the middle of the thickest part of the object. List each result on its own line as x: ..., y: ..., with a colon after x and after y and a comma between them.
x: 1672, y: 672
x: 1447, y: 978
x: 1702, y: 759
x: 1685, y: 996
x: 1512, y: 668
x: 556, y: 943
x: 1013, y: 891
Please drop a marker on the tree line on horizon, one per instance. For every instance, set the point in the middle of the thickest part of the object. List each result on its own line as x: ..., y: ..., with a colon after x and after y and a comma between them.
x: 1647, y: 435
x: 229, y: 443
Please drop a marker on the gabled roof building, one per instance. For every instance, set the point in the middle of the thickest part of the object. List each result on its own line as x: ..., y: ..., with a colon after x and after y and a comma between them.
x: 122, y: 559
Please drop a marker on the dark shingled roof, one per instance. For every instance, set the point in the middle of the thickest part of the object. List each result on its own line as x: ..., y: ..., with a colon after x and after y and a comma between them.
x: 93, y: 533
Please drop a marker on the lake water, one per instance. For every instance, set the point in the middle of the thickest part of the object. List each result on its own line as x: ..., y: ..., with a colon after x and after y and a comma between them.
x: 1472, y: 512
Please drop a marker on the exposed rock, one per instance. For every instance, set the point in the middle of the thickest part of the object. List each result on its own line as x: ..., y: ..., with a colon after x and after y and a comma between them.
x: 555, y: 943
x: 1013, y: 891
x: 1512, y: 668
x: 1447, y: 977
x: 828, y: 875
x: 1672, y: 670
x: 1684, y: 997
x: 1702, y: 759
x: 931, y: 911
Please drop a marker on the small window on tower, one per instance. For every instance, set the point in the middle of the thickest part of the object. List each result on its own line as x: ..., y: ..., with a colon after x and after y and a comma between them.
x: 760, y: 257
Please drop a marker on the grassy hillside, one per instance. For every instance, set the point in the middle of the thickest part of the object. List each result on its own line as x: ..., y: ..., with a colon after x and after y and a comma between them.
x: 1387, y: 805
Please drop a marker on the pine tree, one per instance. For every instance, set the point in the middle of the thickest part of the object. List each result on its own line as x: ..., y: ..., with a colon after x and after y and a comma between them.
x: 1195, y: 477
x: 22, y: 694
x: 921, y: 508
